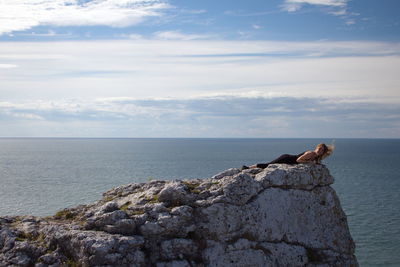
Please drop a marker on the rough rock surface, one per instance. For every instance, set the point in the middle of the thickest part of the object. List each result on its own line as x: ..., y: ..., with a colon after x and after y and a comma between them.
x: 284, y: 215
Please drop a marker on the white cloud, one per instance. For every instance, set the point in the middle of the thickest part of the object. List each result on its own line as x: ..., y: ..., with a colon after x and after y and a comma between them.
x: 8, y: 66
x: 132, y: 36
x: 19, y: 15
x: 320, y: 2
x: 194, y: 11
x: 339, y: 12
x: 206, y: 116
x: 175, y: 69
x: 49, y: 33
x: 295, y: 5
x: 178, y: 35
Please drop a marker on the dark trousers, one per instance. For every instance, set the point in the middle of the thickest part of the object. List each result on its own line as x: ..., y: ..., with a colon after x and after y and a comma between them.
x: 285, y: 158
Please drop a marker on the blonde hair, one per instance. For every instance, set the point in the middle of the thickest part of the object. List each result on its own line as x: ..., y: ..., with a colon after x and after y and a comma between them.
x: 328, y: 150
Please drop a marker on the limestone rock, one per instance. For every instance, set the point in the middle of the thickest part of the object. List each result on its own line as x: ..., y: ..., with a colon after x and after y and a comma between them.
x: 284, y: 215
x: 294, y: 176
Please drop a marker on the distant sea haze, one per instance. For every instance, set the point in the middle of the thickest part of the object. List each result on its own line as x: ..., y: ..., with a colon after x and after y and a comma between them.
x: 42, y: 175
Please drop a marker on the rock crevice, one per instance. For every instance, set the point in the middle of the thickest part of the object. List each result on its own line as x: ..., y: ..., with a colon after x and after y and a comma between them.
x: 284, y: 215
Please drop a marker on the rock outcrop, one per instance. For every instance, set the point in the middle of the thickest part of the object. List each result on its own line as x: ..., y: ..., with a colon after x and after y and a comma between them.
x: 284, y: 215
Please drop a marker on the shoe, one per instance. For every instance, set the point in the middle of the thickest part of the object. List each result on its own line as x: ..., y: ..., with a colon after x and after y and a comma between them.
x: 244, y: 167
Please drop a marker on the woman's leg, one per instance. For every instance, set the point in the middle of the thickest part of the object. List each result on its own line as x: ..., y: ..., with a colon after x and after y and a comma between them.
x: 285, y: 158
x: 261, y: 165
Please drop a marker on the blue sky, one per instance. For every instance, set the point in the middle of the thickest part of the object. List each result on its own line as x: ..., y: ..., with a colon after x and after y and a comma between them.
x: 150, y: 68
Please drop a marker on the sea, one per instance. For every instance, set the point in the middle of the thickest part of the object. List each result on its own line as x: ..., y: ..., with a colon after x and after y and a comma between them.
x: 40, y: 176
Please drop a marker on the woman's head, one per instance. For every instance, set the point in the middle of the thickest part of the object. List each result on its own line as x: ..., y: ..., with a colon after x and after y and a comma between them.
x: 324, y: 151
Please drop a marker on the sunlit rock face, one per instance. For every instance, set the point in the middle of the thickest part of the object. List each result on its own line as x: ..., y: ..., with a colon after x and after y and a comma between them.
x: 284, y: 215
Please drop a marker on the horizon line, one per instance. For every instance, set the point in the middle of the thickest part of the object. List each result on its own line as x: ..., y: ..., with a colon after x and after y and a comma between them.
x: 55, y: 137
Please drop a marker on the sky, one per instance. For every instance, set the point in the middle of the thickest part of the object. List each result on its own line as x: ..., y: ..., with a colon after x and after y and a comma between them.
x: 174, y: 68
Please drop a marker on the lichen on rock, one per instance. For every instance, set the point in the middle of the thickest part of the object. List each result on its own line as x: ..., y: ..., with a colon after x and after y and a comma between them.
x: 284, y: 215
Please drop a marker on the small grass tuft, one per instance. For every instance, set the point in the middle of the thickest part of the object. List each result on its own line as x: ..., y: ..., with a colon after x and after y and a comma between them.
x: 108, y: 198
x: 20, y: 239
x: 138, y: 212
x: 22, y: 236
x: 64, y: 214
x: 192, y: 187
x: 125, y: 206
x: 39, y: 239
x: 153, y: 199
x: 72, y: 263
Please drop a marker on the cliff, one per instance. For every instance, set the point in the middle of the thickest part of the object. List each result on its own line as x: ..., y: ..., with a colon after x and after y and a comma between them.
x: 285, y: 215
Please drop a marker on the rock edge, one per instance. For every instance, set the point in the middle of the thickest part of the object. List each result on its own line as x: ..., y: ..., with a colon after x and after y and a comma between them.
x: 284, y: 215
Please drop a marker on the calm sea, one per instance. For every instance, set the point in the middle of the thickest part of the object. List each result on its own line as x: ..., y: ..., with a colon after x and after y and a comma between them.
x: 40, y: 176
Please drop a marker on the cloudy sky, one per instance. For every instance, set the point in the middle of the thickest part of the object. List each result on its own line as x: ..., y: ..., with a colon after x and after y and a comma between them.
x: 174, y: 68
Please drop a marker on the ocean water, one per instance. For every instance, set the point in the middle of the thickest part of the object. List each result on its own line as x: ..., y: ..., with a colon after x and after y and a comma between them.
x: 40, y: 176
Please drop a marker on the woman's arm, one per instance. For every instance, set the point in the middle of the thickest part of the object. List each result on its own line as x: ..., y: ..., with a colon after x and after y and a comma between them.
x: 307, y: 157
